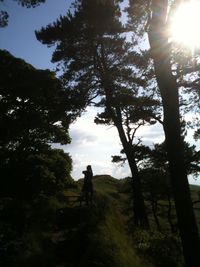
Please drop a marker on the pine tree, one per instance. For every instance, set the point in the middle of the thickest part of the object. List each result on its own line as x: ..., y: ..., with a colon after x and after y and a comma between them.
x: 153, y: 17
x: 98, y: 66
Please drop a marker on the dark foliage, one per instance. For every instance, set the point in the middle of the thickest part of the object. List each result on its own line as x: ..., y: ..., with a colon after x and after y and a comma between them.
x: 33, y: 115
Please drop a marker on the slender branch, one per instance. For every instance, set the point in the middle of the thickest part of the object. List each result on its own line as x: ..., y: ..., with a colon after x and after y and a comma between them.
x: 157, y: 119
x: 134, y: 131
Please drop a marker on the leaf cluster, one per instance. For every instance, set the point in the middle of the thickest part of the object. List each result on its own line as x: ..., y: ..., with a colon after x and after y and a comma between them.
x: 32, y: 105
x: 92, y: 52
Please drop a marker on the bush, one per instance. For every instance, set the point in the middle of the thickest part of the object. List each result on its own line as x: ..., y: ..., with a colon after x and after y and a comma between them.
x: 162, y: 250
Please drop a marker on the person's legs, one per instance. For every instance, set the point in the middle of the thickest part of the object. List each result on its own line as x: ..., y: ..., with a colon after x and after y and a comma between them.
x: 91, y: 193
x: 87, y: 197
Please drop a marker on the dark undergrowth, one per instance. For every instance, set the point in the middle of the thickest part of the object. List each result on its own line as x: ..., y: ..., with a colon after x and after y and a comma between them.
x: 60, y: 233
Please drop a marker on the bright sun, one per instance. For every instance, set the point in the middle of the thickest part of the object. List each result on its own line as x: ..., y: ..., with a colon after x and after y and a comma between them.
x: 185, y: 24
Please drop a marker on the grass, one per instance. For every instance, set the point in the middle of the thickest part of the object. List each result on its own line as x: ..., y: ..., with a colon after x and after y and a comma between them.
x: 195, y: 193
x: 66, y: 234
x: 116, y: 242
x: 99, y: 228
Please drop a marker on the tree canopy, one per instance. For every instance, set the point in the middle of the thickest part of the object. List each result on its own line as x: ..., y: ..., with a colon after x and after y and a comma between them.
x: 33, y: 116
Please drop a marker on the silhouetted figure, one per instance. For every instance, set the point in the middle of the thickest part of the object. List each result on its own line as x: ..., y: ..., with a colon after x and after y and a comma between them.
x: 87, y: 189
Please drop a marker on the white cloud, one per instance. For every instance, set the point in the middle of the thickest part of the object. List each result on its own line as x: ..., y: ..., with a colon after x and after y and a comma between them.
x: 151, y: 134
x: 81, y: 137
x: 194, y: 181
x: 95, y: 144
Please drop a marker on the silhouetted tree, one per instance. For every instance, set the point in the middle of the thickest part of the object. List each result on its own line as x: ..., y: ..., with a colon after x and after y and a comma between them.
x: 96, y: 60
x: 33, y: 111
x: 32, y: 102
x: 33, y: 115
x: 155, y: 175
x: 154, y: 15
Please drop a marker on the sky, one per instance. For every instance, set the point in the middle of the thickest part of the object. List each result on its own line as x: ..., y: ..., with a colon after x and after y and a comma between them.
x: 91, y: 144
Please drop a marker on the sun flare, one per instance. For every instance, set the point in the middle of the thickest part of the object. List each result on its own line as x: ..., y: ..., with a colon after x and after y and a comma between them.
x: 185, y: 24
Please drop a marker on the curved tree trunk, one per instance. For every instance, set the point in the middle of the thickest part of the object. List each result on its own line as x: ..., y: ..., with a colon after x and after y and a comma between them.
x: 169, y: 92
x: 140, y: 215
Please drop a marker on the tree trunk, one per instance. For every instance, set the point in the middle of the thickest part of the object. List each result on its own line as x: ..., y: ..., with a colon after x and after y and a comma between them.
x: 140, y: 215
x: 169, y: 215
x: 154, y: 207
x: 160, y: 52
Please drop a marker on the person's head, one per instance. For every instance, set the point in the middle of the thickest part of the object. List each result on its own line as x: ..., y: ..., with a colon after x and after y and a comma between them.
x: 89, y: 168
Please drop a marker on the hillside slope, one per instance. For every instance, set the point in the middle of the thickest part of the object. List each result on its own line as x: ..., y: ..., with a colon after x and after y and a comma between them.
x: 95, y: 235
x: 68, y: 234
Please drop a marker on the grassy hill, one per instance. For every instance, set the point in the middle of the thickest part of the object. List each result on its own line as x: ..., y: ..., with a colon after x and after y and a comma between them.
x: 67, y: 234
x: 99, y: 230
x: 195, y: 193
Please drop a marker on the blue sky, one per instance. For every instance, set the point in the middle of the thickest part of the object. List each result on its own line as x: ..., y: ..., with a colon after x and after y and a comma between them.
x: 91, y: 144
x: 19, y: 37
